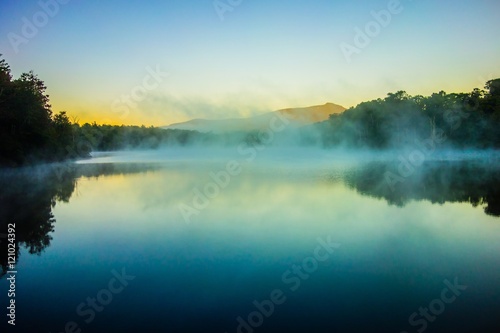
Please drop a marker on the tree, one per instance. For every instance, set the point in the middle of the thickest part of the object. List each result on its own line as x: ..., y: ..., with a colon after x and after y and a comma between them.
x: 5, y: 76
x: 492, y: 97
x: 29, y: 131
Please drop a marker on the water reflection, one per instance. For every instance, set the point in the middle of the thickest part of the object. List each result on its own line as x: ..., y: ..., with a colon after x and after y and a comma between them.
x: 439, y: 182
x: 26, y: 200
x: 201, y: 276
x: 29, y: 195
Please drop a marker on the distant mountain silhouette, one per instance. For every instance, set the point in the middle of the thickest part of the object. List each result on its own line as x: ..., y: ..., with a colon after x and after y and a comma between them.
x: 297, y: 117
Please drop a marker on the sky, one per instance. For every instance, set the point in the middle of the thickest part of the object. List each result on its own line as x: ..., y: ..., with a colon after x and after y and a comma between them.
x: 161, y: 62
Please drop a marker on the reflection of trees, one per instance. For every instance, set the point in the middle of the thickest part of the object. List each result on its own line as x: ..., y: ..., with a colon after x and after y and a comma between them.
x: 437, y: 181
x: 29, y: 194
x: 27, y: 198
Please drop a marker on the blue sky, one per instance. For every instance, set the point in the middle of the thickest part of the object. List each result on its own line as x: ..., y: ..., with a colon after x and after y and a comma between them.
x: 264, y: 55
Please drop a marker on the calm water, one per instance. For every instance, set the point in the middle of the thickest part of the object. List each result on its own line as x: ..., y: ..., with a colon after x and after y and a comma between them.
x: 311, y: 243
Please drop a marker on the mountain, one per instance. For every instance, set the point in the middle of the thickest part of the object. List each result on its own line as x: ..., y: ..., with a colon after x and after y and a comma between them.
x: 296, y: 116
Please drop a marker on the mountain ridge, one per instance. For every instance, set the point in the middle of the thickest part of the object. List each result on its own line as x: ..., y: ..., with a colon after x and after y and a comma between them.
x: 297, y: 117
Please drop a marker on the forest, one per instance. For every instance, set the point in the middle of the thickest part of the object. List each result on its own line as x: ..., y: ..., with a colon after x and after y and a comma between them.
x: 464, y: 120
x: 31, y: 133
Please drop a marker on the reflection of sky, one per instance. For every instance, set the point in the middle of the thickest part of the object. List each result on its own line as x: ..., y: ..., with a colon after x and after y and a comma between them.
x: 391, y: 259
x: 263, y: 56
x: 282, y: 206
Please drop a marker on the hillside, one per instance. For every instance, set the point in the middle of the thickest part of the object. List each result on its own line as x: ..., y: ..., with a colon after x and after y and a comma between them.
x: 297, y: 117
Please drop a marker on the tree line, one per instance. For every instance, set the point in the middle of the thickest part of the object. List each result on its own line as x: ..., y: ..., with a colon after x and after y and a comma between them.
x: 464, y: 120
x: 30, y: 132
x: 28, y: 129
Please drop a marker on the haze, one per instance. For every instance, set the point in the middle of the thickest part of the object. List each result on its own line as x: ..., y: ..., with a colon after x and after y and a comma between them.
x: 260, y: 56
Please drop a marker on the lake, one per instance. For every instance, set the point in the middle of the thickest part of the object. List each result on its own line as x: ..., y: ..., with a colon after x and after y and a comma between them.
x: 275, y: 241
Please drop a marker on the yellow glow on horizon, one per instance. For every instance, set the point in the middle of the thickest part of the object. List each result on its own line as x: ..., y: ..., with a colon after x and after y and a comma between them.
x: 101, y: 112
x: 102, y: 115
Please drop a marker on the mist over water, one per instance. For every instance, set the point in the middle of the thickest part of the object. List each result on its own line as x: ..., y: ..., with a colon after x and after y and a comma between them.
x: 259, y: 217
x: 181, y: 177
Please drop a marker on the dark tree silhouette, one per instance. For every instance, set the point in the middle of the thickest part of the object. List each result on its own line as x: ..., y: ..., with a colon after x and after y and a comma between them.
x: 29, y: 132
x: 468, y: 120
